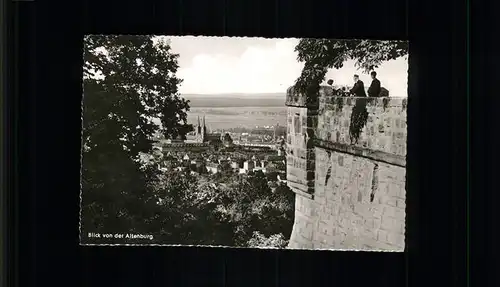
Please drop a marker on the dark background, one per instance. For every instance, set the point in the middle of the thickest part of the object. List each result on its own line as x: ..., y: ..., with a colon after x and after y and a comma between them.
x: 45, y: 55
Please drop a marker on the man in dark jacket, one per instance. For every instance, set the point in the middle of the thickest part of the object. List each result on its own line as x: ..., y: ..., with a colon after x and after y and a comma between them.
x: 374, y: 89
x: 359, y: 88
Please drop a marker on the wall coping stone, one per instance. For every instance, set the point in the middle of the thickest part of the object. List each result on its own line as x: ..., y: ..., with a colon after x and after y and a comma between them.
x: 385, y: 102
x: 326, y: 96
x: 295, y: 99
x: 375, y: 155
x: 298, y: 188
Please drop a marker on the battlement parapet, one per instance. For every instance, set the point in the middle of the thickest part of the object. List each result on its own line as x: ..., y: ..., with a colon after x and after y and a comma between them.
x: 326, y: 101
x: 296, y: 99
x: 375, y: 124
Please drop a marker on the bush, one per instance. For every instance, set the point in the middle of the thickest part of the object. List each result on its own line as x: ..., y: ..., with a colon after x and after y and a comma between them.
x: 258, y: 240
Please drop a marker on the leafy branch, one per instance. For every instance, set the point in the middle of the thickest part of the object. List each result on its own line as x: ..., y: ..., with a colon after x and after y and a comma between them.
x: 319, y: 55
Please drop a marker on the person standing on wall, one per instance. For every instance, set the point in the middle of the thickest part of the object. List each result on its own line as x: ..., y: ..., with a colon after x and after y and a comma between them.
x: 359, y: 88
x: 374, y: 89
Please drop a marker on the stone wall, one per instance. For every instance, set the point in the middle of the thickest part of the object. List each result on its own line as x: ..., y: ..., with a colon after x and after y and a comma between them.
x: 174, y: 147
x: 385, y: 128
x: 296, y: 153
x: 350, y: 191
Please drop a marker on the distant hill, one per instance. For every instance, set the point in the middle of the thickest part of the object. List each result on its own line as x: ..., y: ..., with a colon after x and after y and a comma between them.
x: 236, y: 100
x: 235, y: 95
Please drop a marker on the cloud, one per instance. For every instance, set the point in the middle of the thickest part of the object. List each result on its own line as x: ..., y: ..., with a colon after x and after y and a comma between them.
x: 257, y: 70
x: 256, y: 65
x: 393, y: 75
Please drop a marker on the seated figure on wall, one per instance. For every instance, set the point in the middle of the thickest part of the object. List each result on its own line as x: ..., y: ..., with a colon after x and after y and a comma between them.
x: 338, y: 92
x: 384, y: 92
x: 342, y: 92
x: 330, y: 83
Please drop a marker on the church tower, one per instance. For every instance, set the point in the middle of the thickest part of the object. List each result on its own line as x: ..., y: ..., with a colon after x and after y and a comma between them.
x: 200, y: 131
x: 204, y: 130
x: 276, y: 131
x: 198, y: 127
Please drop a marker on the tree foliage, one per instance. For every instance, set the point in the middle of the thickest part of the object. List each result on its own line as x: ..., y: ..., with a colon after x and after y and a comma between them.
x: 319, y: 55
x: 251, y: 203
x: 127, y: 81
x: 227, y: 138
x: 198, y: 211
x: 190, y: 212
x: 260, y: 240
x: 132, y: 79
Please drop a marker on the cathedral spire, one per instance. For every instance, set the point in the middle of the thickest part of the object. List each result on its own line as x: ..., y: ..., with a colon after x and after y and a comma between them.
x: 204, y: 125
x: 198, y: 127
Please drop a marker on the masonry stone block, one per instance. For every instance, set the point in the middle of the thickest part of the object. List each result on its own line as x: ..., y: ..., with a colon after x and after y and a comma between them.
x: 382, y: 235
x: 389, y: 223
x: 369, y: 223
x: 401, y: 203
x: 394, y: 212
x: 402, y: 225
x: 391, y: 202
x: 395, y: 239
x: 394, y: 190
x: 362, y: 209
x: 368, y: 234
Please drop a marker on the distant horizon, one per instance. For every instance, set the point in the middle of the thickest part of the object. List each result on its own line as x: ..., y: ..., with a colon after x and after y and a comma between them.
x: 235, y: 94
x: 249, y: 66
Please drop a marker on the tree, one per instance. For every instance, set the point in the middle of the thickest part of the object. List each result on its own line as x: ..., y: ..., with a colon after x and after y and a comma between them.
x: 127, y: 81
x: 208, y: 211
x: 273, y: 175
x: 227, y: 138
x: 136, y: 82
x: 319, y: 55
x: 252, y: 206
x: 190, y: 213
x: 260, y: 240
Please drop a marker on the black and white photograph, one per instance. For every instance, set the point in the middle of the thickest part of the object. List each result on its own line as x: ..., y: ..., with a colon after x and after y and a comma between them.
x: 244, y: 142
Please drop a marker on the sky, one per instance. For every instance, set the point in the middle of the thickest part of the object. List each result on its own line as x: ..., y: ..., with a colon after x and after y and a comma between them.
x: 220, y: 65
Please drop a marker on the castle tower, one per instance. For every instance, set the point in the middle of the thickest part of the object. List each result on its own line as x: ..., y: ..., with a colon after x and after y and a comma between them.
x: 318, y: 147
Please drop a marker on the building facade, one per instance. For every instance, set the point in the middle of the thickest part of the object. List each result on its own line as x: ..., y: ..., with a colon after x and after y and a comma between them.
x: 203, y: 140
